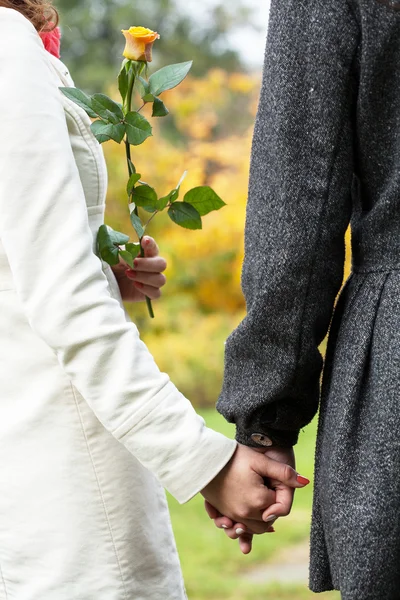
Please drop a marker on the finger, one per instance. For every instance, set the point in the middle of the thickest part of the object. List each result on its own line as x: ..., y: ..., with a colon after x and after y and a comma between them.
x: 282, y: 506
x: 220, y: 521
x: 246, y: 543
x: 156, y: 264
x: 212, y: 512
x: 261, y: 498
x: 156, y: 280
x: 273, y: 469
x: 148, y: 291
x: 248, y: 528
x: 236, y: 531
x: 223, y: 522
x: 149, y: 246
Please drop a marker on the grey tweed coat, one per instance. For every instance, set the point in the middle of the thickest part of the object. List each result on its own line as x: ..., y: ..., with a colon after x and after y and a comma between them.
x: 326, y: 152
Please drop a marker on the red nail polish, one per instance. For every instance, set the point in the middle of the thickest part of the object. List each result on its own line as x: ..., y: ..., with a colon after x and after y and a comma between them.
x: 138, y: 284
x: 147, y: 242
x: 303, y: 480
x: 136, y: 262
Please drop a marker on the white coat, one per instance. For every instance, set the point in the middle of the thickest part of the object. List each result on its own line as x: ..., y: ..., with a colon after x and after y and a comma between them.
x: 90, y: 430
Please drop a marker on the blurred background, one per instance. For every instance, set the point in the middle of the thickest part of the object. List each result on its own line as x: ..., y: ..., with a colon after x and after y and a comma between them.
x: 208, y: 133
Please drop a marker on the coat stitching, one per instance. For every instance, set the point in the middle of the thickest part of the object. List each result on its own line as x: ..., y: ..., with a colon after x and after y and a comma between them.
x: 100, y: 492
x: 3, y: 582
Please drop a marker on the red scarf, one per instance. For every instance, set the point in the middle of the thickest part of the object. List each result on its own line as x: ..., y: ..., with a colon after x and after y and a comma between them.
x: 51, y: 41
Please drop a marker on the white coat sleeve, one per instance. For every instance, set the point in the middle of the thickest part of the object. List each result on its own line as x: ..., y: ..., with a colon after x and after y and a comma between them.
x: 59, y: 280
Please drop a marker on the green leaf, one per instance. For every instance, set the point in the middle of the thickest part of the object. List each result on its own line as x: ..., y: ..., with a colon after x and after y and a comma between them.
x: 127, y: 257
x: 185, y: 215
x: 159, y: 108
x: 142, y: 87
x: 133, y: 249
x: 145, y: 197
x: 80, y: 98
x: 168, y: 77
x: 125, y: 64
x: 171, y: 197
x: 107, y: 109
x: 108, y: 241
x: 137, y: 225
x: 133, y: 179
x: 148, y: 98
x: 123, y: 83
x: 107, y: 131
x: 137, y: 67
x: 130, y: 253
x: 138, y: 128
x: 204, y: 200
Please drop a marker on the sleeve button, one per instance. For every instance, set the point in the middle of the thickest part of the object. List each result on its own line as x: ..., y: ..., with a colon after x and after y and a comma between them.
x: 261, y: 439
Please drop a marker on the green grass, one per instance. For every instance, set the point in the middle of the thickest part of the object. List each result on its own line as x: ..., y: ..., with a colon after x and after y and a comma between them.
x: 213, y: 567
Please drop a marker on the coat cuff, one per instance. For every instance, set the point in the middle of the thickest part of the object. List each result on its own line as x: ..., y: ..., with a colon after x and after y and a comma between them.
x: 172, y: 441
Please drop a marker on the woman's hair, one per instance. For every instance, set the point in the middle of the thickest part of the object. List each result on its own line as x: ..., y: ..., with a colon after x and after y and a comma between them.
x: 41, y: 13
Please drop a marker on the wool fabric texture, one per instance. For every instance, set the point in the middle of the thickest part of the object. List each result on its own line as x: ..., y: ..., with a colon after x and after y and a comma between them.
x: 326, y: 153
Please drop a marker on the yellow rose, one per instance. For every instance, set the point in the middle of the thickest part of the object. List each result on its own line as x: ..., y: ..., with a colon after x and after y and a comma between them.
x: 139, y: 43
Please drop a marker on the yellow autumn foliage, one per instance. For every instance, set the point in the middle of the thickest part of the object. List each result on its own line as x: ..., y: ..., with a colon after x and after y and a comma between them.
x: 209, y: 134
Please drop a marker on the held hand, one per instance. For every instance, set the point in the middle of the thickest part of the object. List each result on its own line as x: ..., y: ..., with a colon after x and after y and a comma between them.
x: 146, y: 278
x: 281, y: 507
x: 239, y: 491
x: 236, y: 531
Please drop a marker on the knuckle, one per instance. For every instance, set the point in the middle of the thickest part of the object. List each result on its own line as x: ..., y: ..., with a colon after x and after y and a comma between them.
x: 244, y: 513
x: 287, y: 472
x: 261, y: 501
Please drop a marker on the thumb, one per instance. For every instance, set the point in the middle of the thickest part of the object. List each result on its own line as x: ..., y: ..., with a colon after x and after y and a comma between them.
x: 273, y: 469
x: 150, y: 247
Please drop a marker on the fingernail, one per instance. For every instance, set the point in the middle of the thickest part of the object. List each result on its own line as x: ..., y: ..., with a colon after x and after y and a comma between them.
x: 240, y: 531
x: 271, y: 530
x: 303, y: 480
x: 224, y: 526
x: 138, y: 284
x: 136, y: 262
x: 270, y: 518
x: 147, y: 242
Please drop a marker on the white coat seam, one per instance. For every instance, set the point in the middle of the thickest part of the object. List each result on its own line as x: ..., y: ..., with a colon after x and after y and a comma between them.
x: 70, y: 109
x: 4, y: 583
x: 100, y: 491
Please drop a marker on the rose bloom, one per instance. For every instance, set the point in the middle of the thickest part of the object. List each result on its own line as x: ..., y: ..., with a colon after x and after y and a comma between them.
x: 139, y: 43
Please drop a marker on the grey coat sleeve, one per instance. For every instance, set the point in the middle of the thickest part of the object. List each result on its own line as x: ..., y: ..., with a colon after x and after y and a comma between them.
x: 299, y: 208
